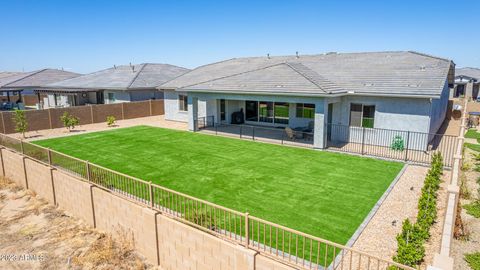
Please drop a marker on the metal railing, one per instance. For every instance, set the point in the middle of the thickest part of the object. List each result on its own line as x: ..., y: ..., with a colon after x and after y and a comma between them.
x: 270, y: 239
x: 256, y: 133
x: 401, y: 145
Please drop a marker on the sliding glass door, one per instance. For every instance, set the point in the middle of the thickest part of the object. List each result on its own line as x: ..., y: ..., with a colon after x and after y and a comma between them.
x: 251, y: 110
x: 267, y: 112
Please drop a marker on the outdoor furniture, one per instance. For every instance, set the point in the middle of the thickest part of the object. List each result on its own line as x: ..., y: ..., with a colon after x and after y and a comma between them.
x: 290, y: 134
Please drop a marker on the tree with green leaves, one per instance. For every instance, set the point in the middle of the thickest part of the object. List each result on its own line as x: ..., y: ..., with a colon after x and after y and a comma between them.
x: 20, y: 120
x: 69, y: 121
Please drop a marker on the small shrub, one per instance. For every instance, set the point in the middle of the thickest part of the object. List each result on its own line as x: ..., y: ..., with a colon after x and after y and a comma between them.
x: 410, y: 245
x: 69, y: 121
x: 473, y: 260
x: 466, y: 166
x: 464, y: 191
x: 111, y: 120
x: 20, y: 120
x: 410, y: 241
x: 398, y: 144
x: 473, y: 208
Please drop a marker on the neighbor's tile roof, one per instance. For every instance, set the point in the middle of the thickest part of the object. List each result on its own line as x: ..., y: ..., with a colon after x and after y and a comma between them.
x: 389, y: 73
x: 473, y: 73
x: 35, y: 79
x: 123, y: 77
x: 4, y: 74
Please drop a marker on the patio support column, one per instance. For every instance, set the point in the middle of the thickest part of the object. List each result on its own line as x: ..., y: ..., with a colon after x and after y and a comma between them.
x: 192, y: 112
x: 320, y: 119
x: 469, y: 89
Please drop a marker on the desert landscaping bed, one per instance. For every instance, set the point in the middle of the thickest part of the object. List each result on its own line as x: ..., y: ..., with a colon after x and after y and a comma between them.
x: 36, y: 235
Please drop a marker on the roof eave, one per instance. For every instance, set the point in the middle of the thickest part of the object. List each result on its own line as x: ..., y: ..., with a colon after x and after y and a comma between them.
x: 308, y: 94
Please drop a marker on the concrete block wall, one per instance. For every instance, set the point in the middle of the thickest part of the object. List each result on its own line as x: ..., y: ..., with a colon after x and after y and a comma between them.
x: 50, y: 118
x: 74, y: 196
x: 161, y: 239
x: 13, y: 166
x: 113, y: 213
x: 39, y: 178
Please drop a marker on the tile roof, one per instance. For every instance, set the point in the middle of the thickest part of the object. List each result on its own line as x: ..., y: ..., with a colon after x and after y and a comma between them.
x: 35, y: 79
x: 473, y: 73
x: 378, y: 73
x: 123, y: 77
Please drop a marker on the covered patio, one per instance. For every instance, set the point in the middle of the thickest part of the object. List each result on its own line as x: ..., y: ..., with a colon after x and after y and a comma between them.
x: 261, y: 118
x: 58, y: 98
x: 11, y: 99
x: 277, y: 135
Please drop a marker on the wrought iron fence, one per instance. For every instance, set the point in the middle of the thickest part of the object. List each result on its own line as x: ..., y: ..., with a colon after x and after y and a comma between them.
x: 408, y: 146
x: 273, y: 240
x: 280, y: 135
x: 402, y: 145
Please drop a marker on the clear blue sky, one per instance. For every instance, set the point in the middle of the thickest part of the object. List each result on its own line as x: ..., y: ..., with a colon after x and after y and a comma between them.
x: 86, y: 36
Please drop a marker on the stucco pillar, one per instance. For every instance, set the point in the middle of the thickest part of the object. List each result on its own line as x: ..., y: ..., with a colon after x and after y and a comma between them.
x: 319, y: 131
x: 192, y: 112
x: 469, y: 90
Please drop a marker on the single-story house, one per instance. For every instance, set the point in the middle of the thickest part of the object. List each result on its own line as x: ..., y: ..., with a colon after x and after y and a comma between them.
x: 113, y: 85
x: 404, y: 90
x: 467, y: 83
x: 26, y: 83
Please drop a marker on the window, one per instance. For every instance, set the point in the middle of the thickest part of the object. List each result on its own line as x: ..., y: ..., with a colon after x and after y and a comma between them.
x: 111, y: 97
x: 362, y: 115
x: 305, y: 110
x: 182, y: 103
x: 266, y: 111
x: 281, y: 112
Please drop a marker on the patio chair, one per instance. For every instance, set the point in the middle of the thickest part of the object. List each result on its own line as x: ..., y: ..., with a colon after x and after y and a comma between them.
x: 290, y: 134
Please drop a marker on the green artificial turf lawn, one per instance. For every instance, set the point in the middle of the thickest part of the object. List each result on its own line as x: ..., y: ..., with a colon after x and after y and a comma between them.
x: 321, y: 193
x: 472, y: 134
x: 474, y: 147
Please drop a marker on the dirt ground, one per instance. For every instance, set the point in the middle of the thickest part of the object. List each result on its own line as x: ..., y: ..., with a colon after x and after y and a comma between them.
x: 470, y: 242
x: 36, y: 235
x: 155, y: 121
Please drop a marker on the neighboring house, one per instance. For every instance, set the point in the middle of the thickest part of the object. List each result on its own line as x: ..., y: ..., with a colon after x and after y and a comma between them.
x: 26, y: 83
x: 405, y: 91
x: 114, y: 85
x: 467, y: 83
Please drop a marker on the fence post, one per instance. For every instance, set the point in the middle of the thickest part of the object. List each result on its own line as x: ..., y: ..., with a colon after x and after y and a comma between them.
x: 91, y: 112
x: 87, y: 166
x: 49, y: 155
x: 247, y: 234
x: 1, y: 159
x: 406, y: 146
x: 3, y: 124
x: 151, y: 193
x: 150, y: 103
x: 50, y: 118
x: 363, y: 140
